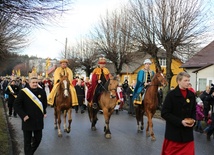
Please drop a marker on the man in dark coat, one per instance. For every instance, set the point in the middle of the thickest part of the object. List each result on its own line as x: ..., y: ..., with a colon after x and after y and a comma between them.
x: 12, y: 91
x: 30, y: 105
x: 80, y: 96
x: 204, y: 97
x: 210, y: 131
x: 180, y: 103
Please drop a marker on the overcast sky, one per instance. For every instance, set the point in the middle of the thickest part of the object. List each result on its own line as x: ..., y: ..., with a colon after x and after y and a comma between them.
x: 49, y: 42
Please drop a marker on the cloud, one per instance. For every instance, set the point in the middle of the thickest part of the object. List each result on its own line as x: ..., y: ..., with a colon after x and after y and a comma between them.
x: 78, y: 22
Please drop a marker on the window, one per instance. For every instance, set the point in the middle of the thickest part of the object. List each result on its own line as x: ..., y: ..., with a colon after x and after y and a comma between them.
x: 162, y: 62
x: 126, y: 77
x: 202, y: 84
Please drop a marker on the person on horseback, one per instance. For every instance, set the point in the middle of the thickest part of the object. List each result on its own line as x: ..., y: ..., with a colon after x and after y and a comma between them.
x: 62, y: 70
x: 99, y: 77
x: 144, y: 77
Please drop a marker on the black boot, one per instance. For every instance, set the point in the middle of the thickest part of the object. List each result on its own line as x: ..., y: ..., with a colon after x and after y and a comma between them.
x: 200, y: 130
x: 196, y: 129
x: 208, y: 137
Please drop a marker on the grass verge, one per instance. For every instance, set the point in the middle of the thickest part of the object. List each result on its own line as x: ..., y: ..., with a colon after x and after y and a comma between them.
x: 5, y: 143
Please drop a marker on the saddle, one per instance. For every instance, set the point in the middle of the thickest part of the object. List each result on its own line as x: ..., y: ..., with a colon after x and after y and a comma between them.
x: 140, y: 98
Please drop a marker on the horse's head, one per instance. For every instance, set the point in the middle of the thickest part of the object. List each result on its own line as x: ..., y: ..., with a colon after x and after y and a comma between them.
x: 64, y: 84
x: 160, y: 76
x: 112, y: 85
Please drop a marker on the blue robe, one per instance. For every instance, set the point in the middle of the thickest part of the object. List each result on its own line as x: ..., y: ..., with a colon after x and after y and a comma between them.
x: 141, y: 79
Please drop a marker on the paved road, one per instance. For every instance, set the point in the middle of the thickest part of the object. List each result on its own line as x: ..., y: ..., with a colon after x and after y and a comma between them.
x: 125, y: 139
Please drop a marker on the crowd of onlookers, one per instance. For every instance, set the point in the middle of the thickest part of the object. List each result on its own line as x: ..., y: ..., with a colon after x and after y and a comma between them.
x: 205, y: 111
x: 81, y: 84
x: 204, y: 100
x: 17, y: 83
x: 10, y: 87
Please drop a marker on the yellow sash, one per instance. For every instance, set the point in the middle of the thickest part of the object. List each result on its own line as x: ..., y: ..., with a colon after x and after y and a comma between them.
x: 11, y: 90
x: 33, y: 98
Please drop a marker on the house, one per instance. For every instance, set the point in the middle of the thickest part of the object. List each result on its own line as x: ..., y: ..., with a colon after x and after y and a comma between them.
x: 129, y: 72
x: 201, y: 68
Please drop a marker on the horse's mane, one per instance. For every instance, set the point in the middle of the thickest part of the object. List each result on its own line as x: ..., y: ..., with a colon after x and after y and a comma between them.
x: 106, y: 84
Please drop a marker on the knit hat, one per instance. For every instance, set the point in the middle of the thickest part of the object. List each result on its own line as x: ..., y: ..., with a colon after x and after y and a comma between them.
x: 199, y: 101
x: 147, y: 61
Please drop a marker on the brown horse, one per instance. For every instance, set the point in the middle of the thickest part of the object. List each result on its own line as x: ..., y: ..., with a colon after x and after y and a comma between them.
x: 107, y: 103
x: 150, y: 103
x: 63, y: 104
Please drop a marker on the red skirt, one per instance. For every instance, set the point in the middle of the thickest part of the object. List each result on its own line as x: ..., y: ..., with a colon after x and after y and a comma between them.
x: 177, y: 148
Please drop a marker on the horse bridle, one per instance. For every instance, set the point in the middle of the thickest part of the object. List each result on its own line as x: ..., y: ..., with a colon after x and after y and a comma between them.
x: 157, y: 84
x: 110, y: 91
x: 112, y: 96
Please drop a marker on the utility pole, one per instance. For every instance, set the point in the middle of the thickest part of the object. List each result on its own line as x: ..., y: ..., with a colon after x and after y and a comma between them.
x: 66, y: 42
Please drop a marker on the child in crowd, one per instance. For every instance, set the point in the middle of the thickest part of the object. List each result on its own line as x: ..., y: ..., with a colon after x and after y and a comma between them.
x: 209, y: 121
x: 199, y: 115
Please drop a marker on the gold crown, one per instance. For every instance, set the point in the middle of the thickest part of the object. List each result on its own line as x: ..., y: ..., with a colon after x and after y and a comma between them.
x: 23, y: 78
x: 33, y: 75
x: 40, y: 77
x: 102, y: 60
x: 63, y: 60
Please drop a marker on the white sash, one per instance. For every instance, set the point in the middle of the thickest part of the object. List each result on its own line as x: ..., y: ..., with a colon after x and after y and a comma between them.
x: 34, y: 98
x: 39, y: 86
x: 11, y: 90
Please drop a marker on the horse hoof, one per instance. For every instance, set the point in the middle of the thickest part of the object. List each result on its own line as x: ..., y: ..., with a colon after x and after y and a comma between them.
x: 139, y: 131
x: 141, y: 128
x: 68, y: 131
x: 93, y: 128
x: 108, y: 136
x: 153, y: 139
x: 147, y: 135
x: 59, y: 135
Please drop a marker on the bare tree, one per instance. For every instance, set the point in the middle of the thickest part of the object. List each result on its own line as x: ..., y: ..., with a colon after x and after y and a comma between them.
x: 87, y: 55
x: 17, y: 17
x: 73, y: 62
x: 34, y: 12
x: 11, y: 37
x: 175, y: 24
x: 143, y: 32
x: 11, y: 33
x: 179, y: 23
x: 112, y: 38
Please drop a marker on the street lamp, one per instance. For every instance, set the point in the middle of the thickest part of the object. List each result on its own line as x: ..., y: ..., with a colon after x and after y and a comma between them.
x: 66, y: 44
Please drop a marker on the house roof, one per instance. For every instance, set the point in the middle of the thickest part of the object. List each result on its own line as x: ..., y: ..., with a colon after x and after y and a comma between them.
x: 203, y: 58
x: 51, y: 70
x: 130, y: 68
x: 195, y: 71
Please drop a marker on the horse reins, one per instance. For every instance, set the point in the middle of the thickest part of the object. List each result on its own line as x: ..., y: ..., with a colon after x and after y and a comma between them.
x: 111, y: 96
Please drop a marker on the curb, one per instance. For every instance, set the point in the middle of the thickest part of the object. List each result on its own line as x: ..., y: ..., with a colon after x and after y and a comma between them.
x: 11, y: 148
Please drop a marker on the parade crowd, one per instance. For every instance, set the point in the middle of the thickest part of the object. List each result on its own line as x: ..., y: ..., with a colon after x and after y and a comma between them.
x: 15, y: 90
